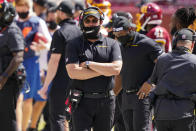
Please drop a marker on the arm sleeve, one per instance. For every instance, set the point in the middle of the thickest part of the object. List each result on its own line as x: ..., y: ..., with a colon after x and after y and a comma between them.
x: 58, y: 43
x: 16, y: 40
x: 72, y: 53
x: 116, y: 52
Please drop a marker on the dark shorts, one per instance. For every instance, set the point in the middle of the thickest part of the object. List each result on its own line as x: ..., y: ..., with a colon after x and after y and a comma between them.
x: 94, y: 113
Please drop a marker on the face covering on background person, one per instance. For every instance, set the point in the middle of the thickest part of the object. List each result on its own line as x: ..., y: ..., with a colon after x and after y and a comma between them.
x: 23, y: 15
x: 91, y: 32
x: 51, y: 25
x: 124, y: 40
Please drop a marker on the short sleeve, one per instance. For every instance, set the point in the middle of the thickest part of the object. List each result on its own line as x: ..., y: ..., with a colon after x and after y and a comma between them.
x: 154, y: 50
x: 58, y: 43
x: 116, y: 52
x: 72, y: 52
x: 15, y: 39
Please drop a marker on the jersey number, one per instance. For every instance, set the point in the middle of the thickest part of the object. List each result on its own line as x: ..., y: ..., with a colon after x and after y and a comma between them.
x: 158, y: 33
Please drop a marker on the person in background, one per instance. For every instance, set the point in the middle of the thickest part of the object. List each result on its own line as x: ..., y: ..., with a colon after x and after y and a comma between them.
x: 11, y: 55
x: 31, y: 25
x: 149, y: 23
x: 56, y: 73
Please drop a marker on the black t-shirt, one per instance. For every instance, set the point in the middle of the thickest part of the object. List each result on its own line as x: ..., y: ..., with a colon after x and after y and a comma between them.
x: 11, y: 40
x: 105, y: 50
x: 67, y: 32
x: 138, y: 61
x: 174, y: 74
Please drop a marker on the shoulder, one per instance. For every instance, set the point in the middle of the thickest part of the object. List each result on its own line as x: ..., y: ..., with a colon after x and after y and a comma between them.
x: 110, y: 42
x: 143, y: 39
x: 34, y: 19
x: 13, y: 29
x: 192, y: 58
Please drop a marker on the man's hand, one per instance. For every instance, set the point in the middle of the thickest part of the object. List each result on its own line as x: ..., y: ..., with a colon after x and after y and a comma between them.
x: 144, y: 90
x: 3, y: 80
x: 83, y: 64
x: 43, y: 92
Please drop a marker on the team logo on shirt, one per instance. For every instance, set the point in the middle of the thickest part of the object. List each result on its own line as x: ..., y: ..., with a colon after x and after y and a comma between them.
x: 103, y: 46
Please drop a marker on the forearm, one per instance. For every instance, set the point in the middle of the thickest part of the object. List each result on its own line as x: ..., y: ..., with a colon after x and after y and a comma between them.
x: 51, y: 72
x: 118, y: 85
x: 17, y: 59
x: 106, y: 69
x: 81, y: 73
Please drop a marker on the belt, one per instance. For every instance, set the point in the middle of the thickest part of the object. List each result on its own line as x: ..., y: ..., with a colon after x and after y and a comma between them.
x: 98, y: 95
x: 131, y: 91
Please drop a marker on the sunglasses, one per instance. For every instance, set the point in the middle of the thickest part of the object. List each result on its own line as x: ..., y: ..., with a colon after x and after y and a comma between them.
x: 87, y: 21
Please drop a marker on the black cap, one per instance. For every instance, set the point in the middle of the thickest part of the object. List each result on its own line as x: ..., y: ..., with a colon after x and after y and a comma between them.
x: 119, y: 13
x: 185, y: 34
x: 66, y: 7
x: 91, y: 12
x: 79, y: 6
x: 51, y: 4
x: 122, y: 23
x: 43, y: 3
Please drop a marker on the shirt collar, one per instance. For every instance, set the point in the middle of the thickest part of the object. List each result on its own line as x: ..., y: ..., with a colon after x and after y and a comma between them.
x: 67, y: 21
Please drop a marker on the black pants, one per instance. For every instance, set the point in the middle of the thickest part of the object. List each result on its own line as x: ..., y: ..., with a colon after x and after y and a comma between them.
x: 174, y: 125
x: 136, y: 113
x: 118, y: 118
x: 7, y: 106
x: 94, y: 113
x: 57, y: 109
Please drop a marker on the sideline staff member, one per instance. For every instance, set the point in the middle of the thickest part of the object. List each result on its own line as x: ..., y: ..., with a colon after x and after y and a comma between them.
x: 11, y: 55
x: 57, y: 73
x: 173, y: 108
x: 92, y: 61
x: 139, y: 54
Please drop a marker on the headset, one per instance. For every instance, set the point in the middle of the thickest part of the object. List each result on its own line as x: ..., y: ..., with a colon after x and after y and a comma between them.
x: 82, y: 14
x: 175, y: 37
x: 7, y: 13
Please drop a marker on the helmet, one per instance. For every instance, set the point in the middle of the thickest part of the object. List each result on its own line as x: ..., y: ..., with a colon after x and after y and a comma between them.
x: 7, y: 14
x: 150, y: 13
x: 104, y: 5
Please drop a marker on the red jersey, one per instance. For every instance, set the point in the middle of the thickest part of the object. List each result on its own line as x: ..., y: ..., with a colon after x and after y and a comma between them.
x: 161, y: 36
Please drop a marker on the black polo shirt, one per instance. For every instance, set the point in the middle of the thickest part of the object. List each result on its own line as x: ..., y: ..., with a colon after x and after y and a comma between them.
x: 60, y: 38
x: 11, y: 40
x: 174, y: 74
x: 138, y: 61
x: 104, y: 50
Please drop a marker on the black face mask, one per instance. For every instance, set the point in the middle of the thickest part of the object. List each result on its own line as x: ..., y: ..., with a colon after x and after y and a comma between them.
x: 111, y: 35
x: 23, y: 15
x: 124, y: 40
x: 91, y: 32
x: 51, y: 25
x: 173, y: 31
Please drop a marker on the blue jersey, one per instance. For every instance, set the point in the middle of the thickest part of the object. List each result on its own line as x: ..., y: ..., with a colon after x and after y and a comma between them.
x: 29, y: 28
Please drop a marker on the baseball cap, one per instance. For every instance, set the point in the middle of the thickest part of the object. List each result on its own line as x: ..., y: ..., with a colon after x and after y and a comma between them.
x: 43, y: 3
x: 119, y: 13
x: 122, y: 23
x: 66, y: 7
x: 185, y: 34
x: 91, y: 12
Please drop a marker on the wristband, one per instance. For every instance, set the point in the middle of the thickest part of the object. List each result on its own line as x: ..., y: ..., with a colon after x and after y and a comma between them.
x: 5, y: 75
x: 87, y: 64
